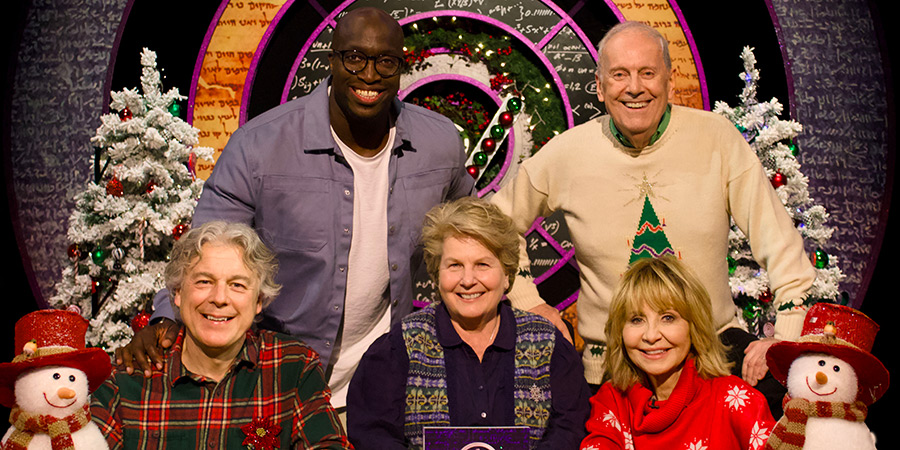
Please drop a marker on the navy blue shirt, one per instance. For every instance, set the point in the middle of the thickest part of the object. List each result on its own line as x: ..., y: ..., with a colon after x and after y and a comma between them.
x: 479, y: 393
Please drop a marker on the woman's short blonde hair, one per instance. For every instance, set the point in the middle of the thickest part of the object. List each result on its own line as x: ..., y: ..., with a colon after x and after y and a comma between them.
x: 256, y: 256
x: 474, y: 218
x: 662, y: 284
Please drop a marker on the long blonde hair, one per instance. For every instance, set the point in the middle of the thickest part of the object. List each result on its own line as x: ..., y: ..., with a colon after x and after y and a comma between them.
x: 662, y: 283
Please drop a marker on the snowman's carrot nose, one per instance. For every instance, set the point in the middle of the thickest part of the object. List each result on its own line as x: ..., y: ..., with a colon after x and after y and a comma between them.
x: 65, y: 392
x: 821, y: 378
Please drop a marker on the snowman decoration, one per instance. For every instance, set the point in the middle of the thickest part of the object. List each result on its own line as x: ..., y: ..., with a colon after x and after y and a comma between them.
x: 831, y: 378
x: 48, y: 384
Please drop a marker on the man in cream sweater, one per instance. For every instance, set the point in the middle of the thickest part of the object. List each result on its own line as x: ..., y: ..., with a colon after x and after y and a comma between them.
x: 692, y: 166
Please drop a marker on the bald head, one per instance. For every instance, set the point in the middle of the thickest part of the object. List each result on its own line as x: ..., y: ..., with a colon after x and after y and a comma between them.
x: 361, y: 18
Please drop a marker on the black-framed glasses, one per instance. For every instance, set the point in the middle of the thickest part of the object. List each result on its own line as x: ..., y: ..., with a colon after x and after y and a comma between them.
x: 356, y: 61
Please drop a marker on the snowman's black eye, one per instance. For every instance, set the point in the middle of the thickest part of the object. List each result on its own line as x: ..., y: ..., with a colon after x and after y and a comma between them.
x: 72, y: 378
x: 822, y: 363
x: 837, y: 368
x: 56, y: 376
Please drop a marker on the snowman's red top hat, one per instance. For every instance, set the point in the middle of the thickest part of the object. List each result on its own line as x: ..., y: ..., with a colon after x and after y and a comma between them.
x: 840, y: 331
x: 47, y: 338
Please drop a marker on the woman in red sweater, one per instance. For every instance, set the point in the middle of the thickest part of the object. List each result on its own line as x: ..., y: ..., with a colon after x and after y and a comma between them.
x: 667, y: 380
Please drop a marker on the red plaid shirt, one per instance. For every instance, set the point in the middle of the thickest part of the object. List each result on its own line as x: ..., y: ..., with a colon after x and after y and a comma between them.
x: 274, y: 382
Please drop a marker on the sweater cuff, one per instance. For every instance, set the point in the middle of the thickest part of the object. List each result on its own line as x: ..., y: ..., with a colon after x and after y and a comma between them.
x: 593, y: 365
x: 789, y: 323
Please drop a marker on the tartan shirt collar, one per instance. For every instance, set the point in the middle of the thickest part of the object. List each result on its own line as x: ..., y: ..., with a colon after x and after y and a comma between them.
x: 176, y: 372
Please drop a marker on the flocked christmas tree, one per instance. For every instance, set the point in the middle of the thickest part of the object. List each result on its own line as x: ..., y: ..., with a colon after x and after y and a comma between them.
x: 773, y: 140
x: 140, y: 201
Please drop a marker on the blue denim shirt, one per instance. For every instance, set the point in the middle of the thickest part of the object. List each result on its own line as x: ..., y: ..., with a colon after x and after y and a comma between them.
x: 283, y: 174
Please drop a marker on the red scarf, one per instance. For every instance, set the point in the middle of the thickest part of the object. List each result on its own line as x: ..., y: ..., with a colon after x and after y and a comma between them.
x: 60, y: 430
x: 790, y: 431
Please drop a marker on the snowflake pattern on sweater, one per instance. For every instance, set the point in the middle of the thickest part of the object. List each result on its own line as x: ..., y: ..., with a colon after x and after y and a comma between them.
x: 720, y: 413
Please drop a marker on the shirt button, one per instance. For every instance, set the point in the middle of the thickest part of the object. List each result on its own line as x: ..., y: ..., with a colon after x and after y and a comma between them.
x: 341, y: 268
x: 480, y: 388
x: 391, y: 230
x: 211, y: 443
x: 346, y: 231
x: 394, y: 303
x: 346, y: 191
x: 394, y: 267
x: 483, y: 414
x: 336, y: 307
x: 328, y: 343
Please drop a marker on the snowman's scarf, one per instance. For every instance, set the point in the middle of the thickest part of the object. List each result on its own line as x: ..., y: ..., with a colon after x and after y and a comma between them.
x: 790, y: 431
x: 60, y: 430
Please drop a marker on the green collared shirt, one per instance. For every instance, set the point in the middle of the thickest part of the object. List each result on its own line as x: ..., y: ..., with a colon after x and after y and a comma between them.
x: 663, y: 123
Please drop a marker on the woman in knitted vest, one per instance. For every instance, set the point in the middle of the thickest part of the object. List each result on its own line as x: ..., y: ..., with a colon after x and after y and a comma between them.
x: 668, y: 383
x: 471, y: 359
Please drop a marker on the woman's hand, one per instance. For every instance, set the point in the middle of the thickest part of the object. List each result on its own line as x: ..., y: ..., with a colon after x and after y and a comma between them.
x: 755, y: 367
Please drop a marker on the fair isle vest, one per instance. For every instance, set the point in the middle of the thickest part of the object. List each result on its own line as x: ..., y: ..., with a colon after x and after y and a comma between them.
x: 426, y: 382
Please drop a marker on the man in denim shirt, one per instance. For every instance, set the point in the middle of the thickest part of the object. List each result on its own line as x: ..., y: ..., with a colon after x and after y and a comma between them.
x: 337, y: 184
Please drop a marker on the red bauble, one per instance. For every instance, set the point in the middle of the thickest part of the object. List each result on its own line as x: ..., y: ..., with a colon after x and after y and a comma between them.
x: 473, y: 170
x: 766, y: 297
x: 151, y: 185
x: 114, y: 187
x: 505, y: 119
x: 75, y: 252
x: 179, y: 230
x: 778, y: 180
x: 140, y: 321
x: 488, y: 145
x: 125, y: 114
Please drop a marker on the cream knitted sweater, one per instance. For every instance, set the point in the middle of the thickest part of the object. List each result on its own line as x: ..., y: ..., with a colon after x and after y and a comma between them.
x: 700, y: 173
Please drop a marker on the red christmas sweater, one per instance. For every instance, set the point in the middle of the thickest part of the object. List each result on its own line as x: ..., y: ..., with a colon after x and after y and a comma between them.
x: 718, y: 414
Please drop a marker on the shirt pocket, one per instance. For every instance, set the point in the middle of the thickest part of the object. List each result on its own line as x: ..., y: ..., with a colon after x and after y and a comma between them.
x: 423, y: 191
x: 295, y: 213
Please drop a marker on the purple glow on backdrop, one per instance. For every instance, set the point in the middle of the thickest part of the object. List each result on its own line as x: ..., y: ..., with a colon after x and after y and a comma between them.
x: 199, y: 64
x: 697, y: 63
x: 513, y: 33
x: 568, y: 302
x: 615, y: 9
x: 788, y: 73
x: 536, y: 227
x: 260, y: 49
x: 327, y: 22
x: 450, y: 76
x: 564, y: 259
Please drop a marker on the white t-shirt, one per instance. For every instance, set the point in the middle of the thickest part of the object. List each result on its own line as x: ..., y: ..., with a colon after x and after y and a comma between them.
x: 367, y: 312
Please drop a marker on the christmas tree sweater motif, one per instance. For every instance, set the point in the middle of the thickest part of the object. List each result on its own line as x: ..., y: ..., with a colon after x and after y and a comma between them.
x: 676, y: 196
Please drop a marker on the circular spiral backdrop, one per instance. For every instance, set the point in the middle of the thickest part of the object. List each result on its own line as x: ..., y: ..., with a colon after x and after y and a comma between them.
x: 235, y: 59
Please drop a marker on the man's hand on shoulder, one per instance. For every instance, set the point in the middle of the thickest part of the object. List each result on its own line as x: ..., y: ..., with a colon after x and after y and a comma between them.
x: 147, y: 347
x: 552, y: 314
x: 755, y: 367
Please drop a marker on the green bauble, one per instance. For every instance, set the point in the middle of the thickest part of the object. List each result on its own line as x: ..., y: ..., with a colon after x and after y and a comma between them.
x: 820, y: 259
x: 480, y: 159
x: 732, y: 265
x: 497, y: 132
x: 514, y: 104
x: 98, y: 256
x: 175, y: 109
